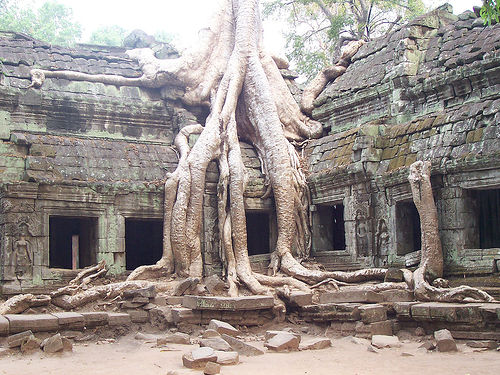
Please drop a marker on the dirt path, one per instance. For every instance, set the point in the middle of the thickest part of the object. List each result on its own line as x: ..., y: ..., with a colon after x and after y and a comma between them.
x: 130, y: 356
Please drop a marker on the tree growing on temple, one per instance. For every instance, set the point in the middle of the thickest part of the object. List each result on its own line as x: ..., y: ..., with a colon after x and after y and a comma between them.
x: 248, y: 100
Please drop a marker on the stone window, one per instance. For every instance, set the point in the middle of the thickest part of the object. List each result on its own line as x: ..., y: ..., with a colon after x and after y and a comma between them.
x: 408, y: 237
x: 488, y: 204
x: 72, y: 242
x: 143, y: 242
x: 329, y: 228
x: 258, y: 232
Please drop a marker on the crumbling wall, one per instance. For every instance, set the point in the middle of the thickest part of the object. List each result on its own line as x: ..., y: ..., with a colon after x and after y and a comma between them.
x: 428, y: 91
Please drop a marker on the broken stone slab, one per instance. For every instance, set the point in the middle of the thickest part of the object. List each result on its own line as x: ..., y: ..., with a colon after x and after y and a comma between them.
x: 270, y: 334
x: 242, y: 347
x: 343, y: 296
x: 398, y: 295
x: 53, y: 344
x: 70, y: 320
x: 228, y: 303
x: 210, y: 333
x: 175, y: 338
x: 30, y: 344
x: 283, y: 341
x: 119, y: 319
x: 211, y: 368
x: 184, y: 285
x: 482, y: 344
x: 4, y: 326
x: 383, y: 341
x: 227, y: 358
x: 216, y: 343
x: 33, y: 322
x: 223, y: 327
x: 316, y: 343
x: 149, y: 292
x: 445, y: 341
x: 198, y: 358
x: 372, y: 313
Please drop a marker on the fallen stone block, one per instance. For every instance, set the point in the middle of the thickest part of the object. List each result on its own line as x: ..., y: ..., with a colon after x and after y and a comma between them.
x: 53, y: 344
x: 383, y: 341
x: 228, y: 303
x: 223, y: 327
x: 4, y: 326
x: 216, y: 343
x: 30, y: 344
x: 242, y: 347
x: 33, y: 322
x: 211, y: 368
x: 398, y: 295
x: 210, y: 333
x: 119, y: 319
x: 283, y: 341
x: 95, y: 319
x: 343, y: 296
x: 227, y: 358
x: 482, y: 344
x: 70, y: 320
x: 372, y: 313
x: 185, y: 285
x: 445, y: 341
x: 175, y: 338
x: 198, y: 358
x: 67, y: 344
x: 316, y: 343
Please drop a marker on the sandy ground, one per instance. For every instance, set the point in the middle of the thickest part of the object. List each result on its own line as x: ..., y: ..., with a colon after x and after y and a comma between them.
x: 347, y: 356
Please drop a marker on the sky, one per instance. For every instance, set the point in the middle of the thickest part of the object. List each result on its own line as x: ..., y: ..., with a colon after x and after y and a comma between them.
x: 183, y: 18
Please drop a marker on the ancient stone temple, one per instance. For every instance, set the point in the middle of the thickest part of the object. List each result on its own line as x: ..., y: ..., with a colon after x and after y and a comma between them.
x: 83, y: 164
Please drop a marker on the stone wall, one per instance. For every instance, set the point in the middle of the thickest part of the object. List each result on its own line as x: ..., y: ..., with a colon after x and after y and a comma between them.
x: 428, y: 91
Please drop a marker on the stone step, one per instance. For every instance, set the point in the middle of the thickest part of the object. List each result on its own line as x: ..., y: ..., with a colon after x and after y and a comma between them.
x: 327, y: 312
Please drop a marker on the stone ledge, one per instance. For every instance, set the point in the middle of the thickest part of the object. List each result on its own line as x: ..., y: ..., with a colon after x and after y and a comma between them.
x: 228, y: 303
x: 33, y: 322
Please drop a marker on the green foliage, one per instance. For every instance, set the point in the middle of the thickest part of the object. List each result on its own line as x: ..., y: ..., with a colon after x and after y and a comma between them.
x: 52, y: 22
x: 490, y: 11
x: 109, y: 36
x: 318, y: 28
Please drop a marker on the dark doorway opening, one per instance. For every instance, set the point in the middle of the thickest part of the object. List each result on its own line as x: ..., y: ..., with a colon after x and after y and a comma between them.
x: 143, y: 242
x: 329, y: 228
x: 489, y: 218
x: 258, y: 233
x: 72, y: 242
x: 407, y: 228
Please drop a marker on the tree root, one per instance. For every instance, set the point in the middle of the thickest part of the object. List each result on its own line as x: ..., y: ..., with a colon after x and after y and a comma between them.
x: 22, y: 302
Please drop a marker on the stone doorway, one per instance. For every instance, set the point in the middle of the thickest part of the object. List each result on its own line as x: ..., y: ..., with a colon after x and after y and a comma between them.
x: 143, y: 242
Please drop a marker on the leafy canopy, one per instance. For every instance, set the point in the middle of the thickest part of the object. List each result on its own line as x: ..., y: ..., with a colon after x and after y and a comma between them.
x: 490, y: 11
x: 52, y: 22
x: 318, y: 28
